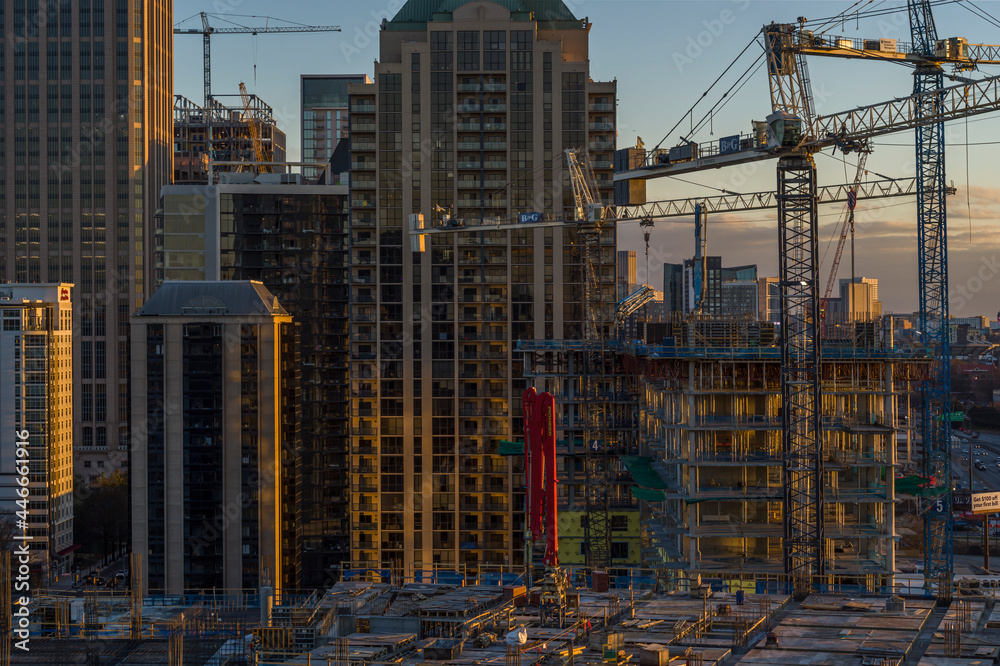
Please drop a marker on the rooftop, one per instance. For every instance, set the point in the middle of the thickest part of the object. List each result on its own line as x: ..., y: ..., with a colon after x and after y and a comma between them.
x: 225, y: 298
x: 416, y: 12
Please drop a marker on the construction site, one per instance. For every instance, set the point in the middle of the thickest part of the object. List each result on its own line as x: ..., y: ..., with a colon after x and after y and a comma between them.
x: 440, y: 616
x: 222, y: 131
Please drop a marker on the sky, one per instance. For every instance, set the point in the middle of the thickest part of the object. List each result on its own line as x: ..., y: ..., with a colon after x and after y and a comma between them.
x: 664, y: 55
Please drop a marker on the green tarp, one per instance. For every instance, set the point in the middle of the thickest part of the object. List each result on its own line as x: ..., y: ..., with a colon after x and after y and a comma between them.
x: 643, y: 472
x: 911, y: 485
x: 648, y: 495
x: 511, y: 448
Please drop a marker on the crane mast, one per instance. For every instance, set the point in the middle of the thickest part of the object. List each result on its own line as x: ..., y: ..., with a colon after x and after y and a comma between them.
x: 792, y: 134
x: 932, y: 250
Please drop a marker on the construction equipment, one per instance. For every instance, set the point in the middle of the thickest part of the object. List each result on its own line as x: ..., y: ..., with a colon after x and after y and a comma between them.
x: 631, y: 303
x: 846, y: 226
x: 254, y: 130
x: 928, y: 54
x: 540, y: 467
x: 206, y: 31
x: 792, y: 134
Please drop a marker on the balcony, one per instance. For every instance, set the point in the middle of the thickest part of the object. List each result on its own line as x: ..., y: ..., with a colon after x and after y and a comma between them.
x: 363, y: 146
x: 602, y: 145
x: 363, y: 166
x: 469, y: 184
x: 470, y: 165
x: 362, y: 108
x: 495, y: 164
x: 604, y: 106
x: 601, y: 127
x: 495, y: 145
x: 495, y: 127
x: 363, y: 183
x: 468, y: 145
x: 468, y: 108
x: 603, y: 164
x: 359, y: 126
x: 469, y: 127
x: 362, y: 203
x: 362, y: 279
x: 498, y: 108
x: 495, y: 87
x: 364, y: 431
x: 469, y: 87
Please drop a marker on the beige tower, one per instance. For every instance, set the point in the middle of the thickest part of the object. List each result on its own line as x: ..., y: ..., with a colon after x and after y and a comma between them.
x: 466, y: 120
x: 36, y: 363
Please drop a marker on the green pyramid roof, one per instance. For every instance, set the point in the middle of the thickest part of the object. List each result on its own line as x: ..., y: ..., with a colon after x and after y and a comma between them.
x: 422, y: 11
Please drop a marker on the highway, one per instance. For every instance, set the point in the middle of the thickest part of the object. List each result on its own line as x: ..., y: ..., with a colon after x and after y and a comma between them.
x: 983, y: 480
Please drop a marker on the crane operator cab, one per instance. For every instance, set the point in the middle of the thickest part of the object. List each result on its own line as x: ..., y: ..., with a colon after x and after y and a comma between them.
x: 784, y: 130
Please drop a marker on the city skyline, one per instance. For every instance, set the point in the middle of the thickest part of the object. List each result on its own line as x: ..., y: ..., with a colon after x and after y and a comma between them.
x: 689, y: 41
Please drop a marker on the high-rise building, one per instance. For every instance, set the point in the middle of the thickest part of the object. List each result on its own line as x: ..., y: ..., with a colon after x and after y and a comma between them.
x: 293, y: 238
x: 223, y: 130
x: 36, y: 407
x: 673, y: 288
x: 768, y: 299
x: 679, y: 285
x: 739, y: 298
x: 86, y: 126
x: 472, y: 106
x: 625, y: 272
x: 215, y: 386
x: 325, y: 115
x: 858, y: 300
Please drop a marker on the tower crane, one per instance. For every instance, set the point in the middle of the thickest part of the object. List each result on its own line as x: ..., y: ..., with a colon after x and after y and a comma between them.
x: 207, y: 30
x: 928, y: 54
x: 792, y: 134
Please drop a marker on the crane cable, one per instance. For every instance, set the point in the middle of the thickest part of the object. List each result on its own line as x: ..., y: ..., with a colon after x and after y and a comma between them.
x: 980, y: 12
x: 756, y: 65
x: 708, y: 90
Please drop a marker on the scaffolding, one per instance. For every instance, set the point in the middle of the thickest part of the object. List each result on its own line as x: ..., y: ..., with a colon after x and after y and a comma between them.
x: 224, y: 131
x: 711, y: 424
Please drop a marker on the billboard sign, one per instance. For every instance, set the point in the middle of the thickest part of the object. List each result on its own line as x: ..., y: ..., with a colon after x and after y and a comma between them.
x: 729, y: 144
x: 985, y: 502
x: 962, y: 501
x: 528, y: 218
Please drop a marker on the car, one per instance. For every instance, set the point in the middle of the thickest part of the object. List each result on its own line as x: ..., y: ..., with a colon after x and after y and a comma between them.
x: 981, y: 467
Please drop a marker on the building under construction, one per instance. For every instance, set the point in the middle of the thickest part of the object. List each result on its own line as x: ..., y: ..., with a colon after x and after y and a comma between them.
x: 709, y: 463
x: 225, y: 133
x: 711, y: 427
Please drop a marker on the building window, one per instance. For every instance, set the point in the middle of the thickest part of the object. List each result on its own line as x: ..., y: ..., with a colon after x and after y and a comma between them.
x: 494, y: 60
x: 468, y: 40
x: 619, y: 550
x: 495, y: 40
x: 441, y: 41
x: 520, y: 40
x: 619, y: 523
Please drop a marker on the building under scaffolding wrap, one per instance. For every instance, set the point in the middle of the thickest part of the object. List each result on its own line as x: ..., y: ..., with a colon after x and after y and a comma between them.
x: 229, y: 129
x: 709, y: 464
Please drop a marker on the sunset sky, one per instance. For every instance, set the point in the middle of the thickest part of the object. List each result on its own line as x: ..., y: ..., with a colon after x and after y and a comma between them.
x: 665, y: 54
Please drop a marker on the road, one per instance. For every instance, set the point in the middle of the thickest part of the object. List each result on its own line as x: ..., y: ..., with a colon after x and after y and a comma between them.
x: 989, y: 454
